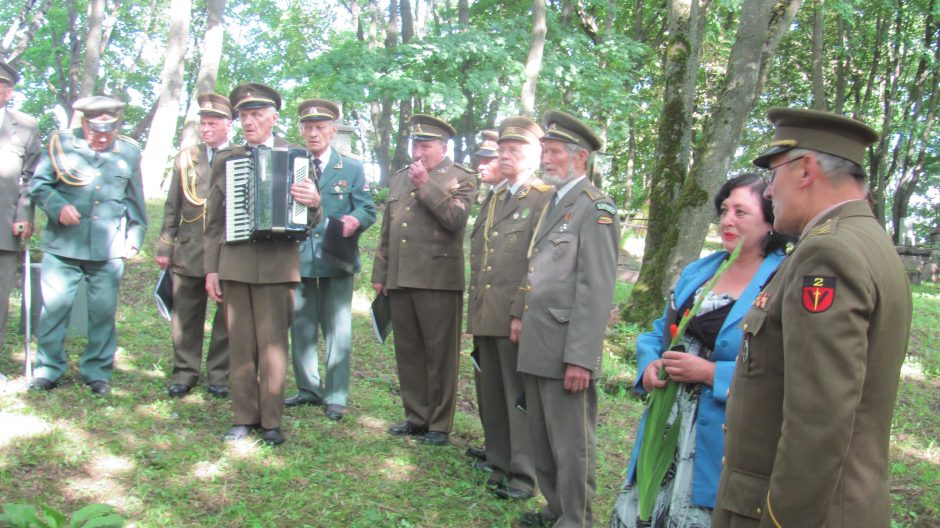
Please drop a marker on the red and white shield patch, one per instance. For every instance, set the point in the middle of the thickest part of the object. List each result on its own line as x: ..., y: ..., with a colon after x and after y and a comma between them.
x: 818, y: 293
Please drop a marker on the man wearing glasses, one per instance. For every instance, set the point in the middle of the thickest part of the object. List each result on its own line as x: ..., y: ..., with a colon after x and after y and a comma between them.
x: 810, y: 406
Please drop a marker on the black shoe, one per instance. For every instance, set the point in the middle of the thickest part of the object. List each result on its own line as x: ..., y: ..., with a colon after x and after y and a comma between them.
x: 300, y: 399
x: 238, y: 432
x: 99, y: 387
x: 508, y: 493
x: 496, y: 481
x: 334, y: 412
x: 536, y: 520
x: 433, y: 438
x: 42, y: 384
x: 272, y: 437
x: 178, y: 390
x: 407, y: 428
x: 478, y: 453
x: 219, y: 391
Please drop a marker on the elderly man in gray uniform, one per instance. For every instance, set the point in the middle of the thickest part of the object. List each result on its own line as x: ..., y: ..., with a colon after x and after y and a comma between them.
x: 19, y: 152
x: 569, y: 292
x: 181, y: 249
x: 323, y: 299
x: 88, y: 183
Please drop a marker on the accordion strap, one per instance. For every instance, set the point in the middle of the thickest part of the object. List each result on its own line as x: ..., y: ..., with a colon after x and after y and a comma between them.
x: 188, y: 179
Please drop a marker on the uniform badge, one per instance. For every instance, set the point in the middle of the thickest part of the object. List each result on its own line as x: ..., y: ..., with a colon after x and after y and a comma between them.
x: 515, y: 216
x: 604, y: 219
x: 525, y: 213
x: 365, y: 187
x: 606, y: 207
x: 342, y: 183
x: 761, y: 300
x: 818, y: 293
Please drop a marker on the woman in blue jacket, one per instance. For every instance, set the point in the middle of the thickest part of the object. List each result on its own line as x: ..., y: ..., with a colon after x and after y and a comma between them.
x: 704, y: 362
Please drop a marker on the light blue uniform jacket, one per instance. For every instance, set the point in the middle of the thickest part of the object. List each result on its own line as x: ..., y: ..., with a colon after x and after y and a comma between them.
x: 709, y: 437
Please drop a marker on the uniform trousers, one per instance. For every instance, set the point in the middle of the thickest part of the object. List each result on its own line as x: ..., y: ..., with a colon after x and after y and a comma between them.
x: 189, y: 318
x: 505, y: 427
x: 562, y: 427
x: 324, y: 305
x: 426, y: 325
x: 60, y: 279
x: 7, y: 269
x: 258, y: 317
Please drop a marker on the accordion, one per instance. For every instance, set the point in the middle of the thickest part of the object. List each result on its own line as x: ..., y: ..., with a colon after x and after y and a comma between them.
x: 258, y: 204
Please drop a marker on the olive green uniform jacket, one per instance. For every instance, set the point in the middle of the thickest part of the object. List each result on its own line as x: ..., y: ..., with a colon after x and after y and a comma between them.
x: 421, y: 244
x: 19, y: 153
x: 809, y: 412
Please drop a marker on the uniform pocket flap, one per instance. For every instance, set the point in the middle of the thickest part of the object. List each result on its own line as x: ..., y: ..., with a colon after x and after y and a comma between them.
x: 745, y: 494
x: 562, y: 315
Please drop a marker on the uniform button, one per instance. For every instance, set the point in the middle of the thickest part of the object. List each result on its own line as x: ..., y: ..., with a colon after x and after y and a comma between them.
x: 744, y: 328
x: 488, y: 268
x: 491, y: 250
x: 94, y: 217
x: 724, y: 342
x: 316, y: 235
x: 97, y: 202
x: 408, y: 208
x: 531, y: 270
x: 525, y: 308
x: 495, y: 233
x: 97, y: 187
x: 412, y: 194
x: 404, y: 224
x: 722, y: 461
x: 759, y: 510
x: 403, y: 241
x: 536, y: 250
x: 487, y: 286
x: 724, y: 428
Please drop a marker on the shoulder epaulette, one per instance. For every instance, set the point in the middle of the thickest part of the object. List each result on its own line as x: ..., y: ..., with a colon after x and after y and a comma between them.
x: 824, y: 228
x: 465, y: 168
x: 351, y: 156
x: 594, y: 193
x: 26, y: 118
x: 542, y: 187
x: 130, y: 140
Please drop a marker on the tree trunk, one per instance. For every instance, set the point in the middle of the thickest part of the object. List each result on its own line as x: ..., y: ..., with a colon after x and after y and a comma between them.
x: 211, y: 57
x: 679, y: 222
x: 761, y: 26
x: 463, y: 13
x: 671, y: 156
x: 819, y: 80
x: 37, y: 20
x: 533, y: 63
x: 163, y: 129
x: 92, y: 48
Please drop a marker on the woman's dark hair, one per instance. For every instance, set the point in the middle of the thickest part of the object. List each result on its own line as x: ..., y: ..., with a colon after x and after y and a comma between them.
x: 773, y: 241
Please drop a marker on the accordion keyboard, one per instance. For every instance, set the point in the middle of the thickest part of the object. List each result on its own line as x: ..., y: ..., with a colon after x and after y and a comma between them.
x: 238, y: 200
x: 301, y: 174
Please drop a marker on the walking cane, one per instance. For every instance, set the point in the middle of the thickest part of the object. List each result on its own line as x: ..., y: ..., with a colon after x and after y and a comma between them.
x: 28, y: 307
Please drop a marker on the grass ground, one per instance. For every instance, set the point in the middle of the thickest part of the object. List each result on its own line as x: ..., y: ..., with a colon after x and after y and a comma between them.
x: 159, y: 461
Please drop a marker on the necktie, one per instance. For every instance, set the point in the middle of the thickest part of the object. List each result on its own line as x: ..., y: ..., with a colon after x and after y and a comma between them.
x: 212, y: 151
x: 316, y: 169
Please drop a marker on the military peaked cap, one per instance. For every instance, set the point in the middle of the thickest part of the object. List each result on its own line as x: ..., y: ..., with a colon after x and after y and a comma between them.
x: 8, y: 74
x: 213, y: 104
x: 520, y: 128
x: 254, y: 95
x: 318, y: 110
x: 820, y: 131
x: 426, y: 128
x: 488, y: 147
x: 565, y: 127
x: 102, y: 113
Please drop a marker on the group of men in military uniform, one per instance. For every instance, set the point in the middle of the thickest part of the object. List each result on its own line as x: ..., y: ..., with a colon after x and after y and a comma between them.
x: 810, y: 411
x: 543, y: 266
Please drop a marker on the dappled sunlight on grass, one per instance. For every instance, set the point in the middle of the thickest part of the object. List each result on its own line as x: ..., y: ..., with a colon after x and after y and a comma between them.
x: 17, y: 426
x: 397, y: 470
x: 361, y: 304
